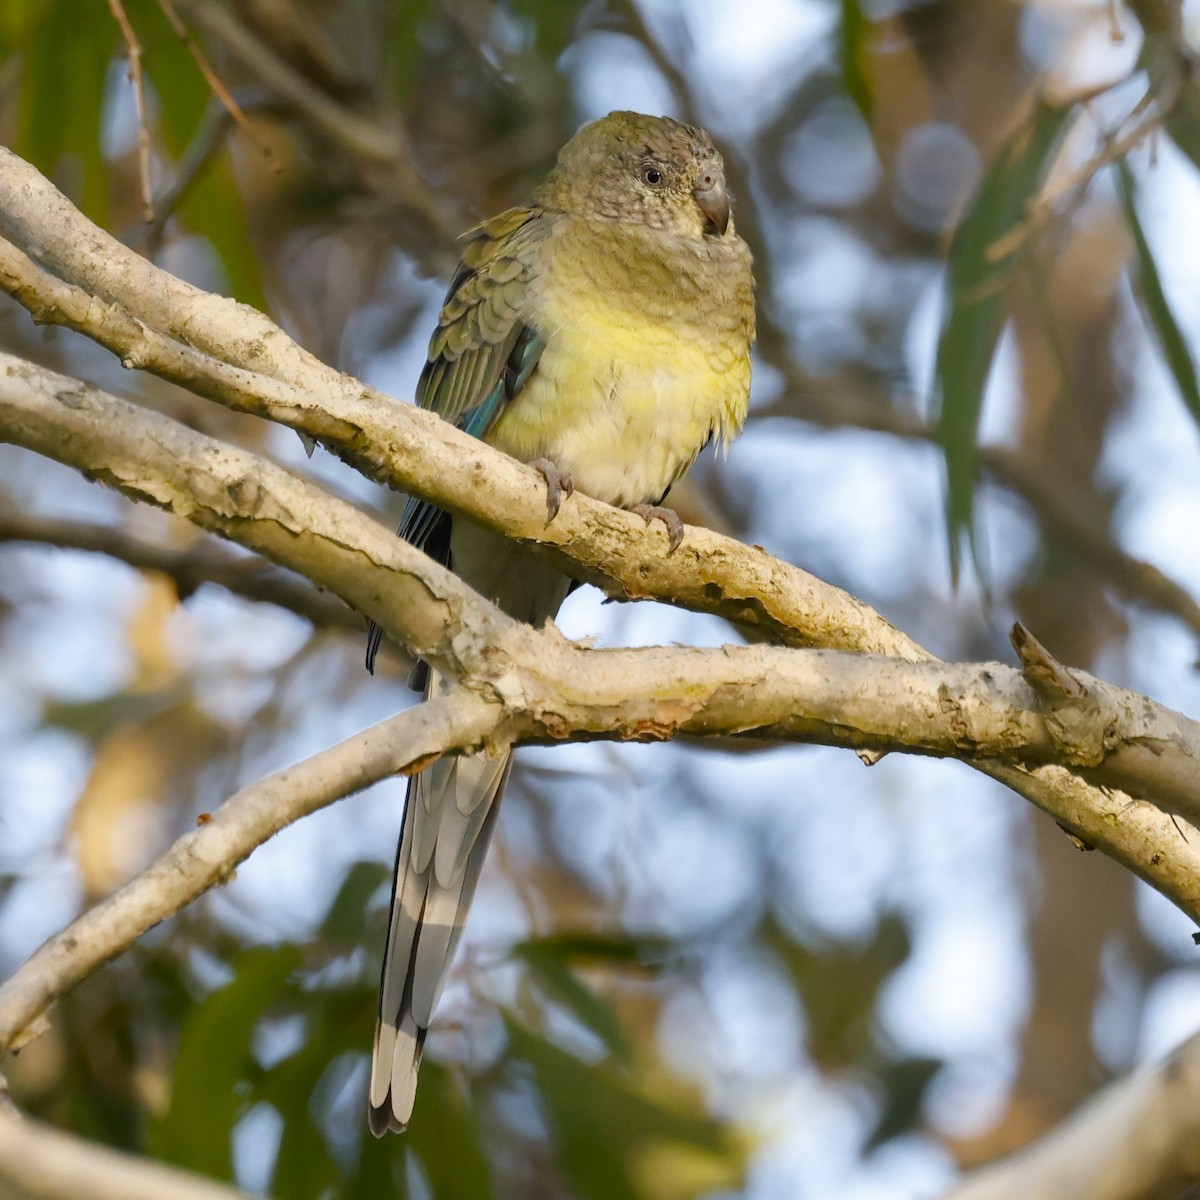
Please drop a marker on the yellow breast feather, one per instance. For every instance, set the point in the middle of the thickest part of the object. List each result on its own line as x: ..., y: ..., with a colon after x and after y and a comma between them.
x: 646, y: 359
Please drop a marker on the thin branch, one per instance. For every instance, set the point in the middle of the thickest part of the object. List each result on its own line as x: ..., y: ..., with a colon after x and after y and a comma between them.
x: 206, y: 857
x: 133, y: 50
x: 41, y: 1163
x: 1072, y: 186
x: 381, y: 147
x: 218, y: 89
x: 252, y: 579
x: 551, y: 689
x: 209, y: 139
x: 1139, y: 1139
x: 1064, y: 513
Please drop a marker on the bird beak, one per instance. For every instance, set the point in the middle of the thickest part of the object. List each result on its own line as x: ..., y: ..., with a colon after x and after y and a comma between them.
x: 714, y: 204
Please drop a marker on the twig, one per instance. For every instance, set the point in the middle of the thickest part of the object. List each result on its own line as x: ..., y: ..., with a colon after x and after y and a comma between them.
x: 133, y: 50
x: 218, y: 89
x: 1043, y: 672
x: 251, y: 578
x: 372, y: 143
x: 1076, y: 183
x: 208, y: 140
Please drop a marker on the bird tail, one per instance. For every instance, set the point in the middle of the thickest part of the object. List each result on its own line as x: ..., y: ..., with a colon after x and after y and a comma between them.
x: 448, y: 818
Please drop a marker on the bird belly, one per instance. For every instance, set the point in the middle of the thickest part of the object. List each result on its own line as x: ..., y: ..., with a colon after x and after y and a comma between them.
x: 623, y: 407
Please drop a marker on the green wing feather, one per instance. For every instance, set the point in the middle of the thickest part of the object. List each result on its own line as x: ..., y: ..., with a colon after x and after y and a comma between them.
x: 479, y: 327
x: 480, y: 356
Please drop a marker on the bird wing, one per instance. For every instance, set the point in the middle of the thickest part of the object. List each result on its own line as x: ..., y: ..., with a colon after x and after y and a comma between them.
x: 480, y: 355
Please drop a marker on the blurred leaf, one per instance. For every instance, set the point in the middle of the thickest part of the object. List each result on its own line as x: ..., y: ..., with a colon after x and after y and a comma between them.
x: 980, y: 268
x: 215, y: 1057
x: 551, y: 958
x: 633, y: 950
x: 856, y: 30
x: 446, y: 1138
x: 1149, y: 288
x: 17, y: 19
x: 840, y: 986
x: 214, y: 209
x: 617, y: 1143
x: 557, y: 979
x: 553, y: 23
x: 94, y: 720
x: 405, y: 45
x: 304, y: 1168
x: 66, y: 56
x: 904, y: 1085
x: 344, y: 922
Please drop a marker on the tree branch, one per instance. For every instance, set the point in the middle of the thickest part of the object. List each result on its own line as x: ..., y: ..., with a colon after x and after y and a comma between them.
x: 1139, y: 1139
x: 40, y: 1163
x: 250, y: 578
x: 208, y: 854
x: 550, y: 689
x: 383, y: 150
x: 1066, y: 514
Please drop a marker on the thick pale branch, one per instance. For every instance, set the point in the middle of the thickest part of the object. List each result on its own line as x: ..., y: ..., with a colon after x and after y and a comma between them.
x: 1139, y: 1139
x: 208, y: 854
x: 988, y: 716
x: 40, y: 1163
x: 234, y: 355
x: 234, y: 493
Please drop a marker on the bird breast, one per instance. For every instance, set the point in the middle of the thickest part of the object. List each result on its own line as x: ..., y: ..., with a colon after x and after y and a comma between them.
x: 647, y: 356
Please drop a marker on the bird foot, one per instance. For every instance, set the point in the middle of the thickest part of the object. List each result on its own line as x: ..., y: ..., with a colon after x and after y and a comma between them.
x: 559, y: 485
x: 668, y: 516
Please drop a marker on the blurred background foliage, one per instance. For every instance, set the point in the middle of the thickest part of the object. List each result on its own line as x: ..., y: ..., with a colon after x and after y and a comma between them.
x: 692, y: 970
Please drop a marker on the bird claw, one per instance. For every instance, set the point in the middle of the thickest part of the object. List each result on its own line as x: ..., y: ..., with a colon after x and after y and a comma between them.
x: 668, y: 516
x: 559, y: 485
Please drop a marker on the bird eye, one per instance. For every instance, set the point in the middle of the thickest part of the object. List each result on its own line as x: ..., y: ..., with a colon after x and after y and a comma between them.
x: 652, y: 175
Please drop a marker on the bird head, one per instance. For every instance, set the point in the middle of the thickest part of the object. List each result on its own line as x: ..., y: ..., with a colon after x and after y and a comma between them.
x: 645, y: 170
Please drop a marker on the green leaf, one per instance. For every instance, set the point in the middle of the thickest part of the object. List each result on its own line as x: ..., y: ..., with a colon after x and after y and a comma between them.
x: 980, y: 269
x: 1149, y: 289
x: 446, y: 1137
x: 405, y: 50
x: 66, y: 57
x: 618, y: 1143
x: 214, y: 1060
x: 304, y: 1168
x: 557, y: 979
x: 347, y: 916
x: 904, y: 1085
x: 856, y: 31
x: 840, y: 987
x: 553, y: 23
x: 17, y: 20
x: 644, y: 951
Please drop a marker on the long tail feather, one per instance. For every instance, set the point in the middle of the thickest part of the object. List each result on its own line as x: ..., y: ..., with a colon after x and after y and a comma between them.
x: 448, y: 819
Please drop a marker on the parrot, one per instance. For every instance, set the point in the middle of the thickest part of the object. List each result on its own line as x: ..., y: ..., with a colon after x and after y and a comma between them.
x: 602, y: 334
